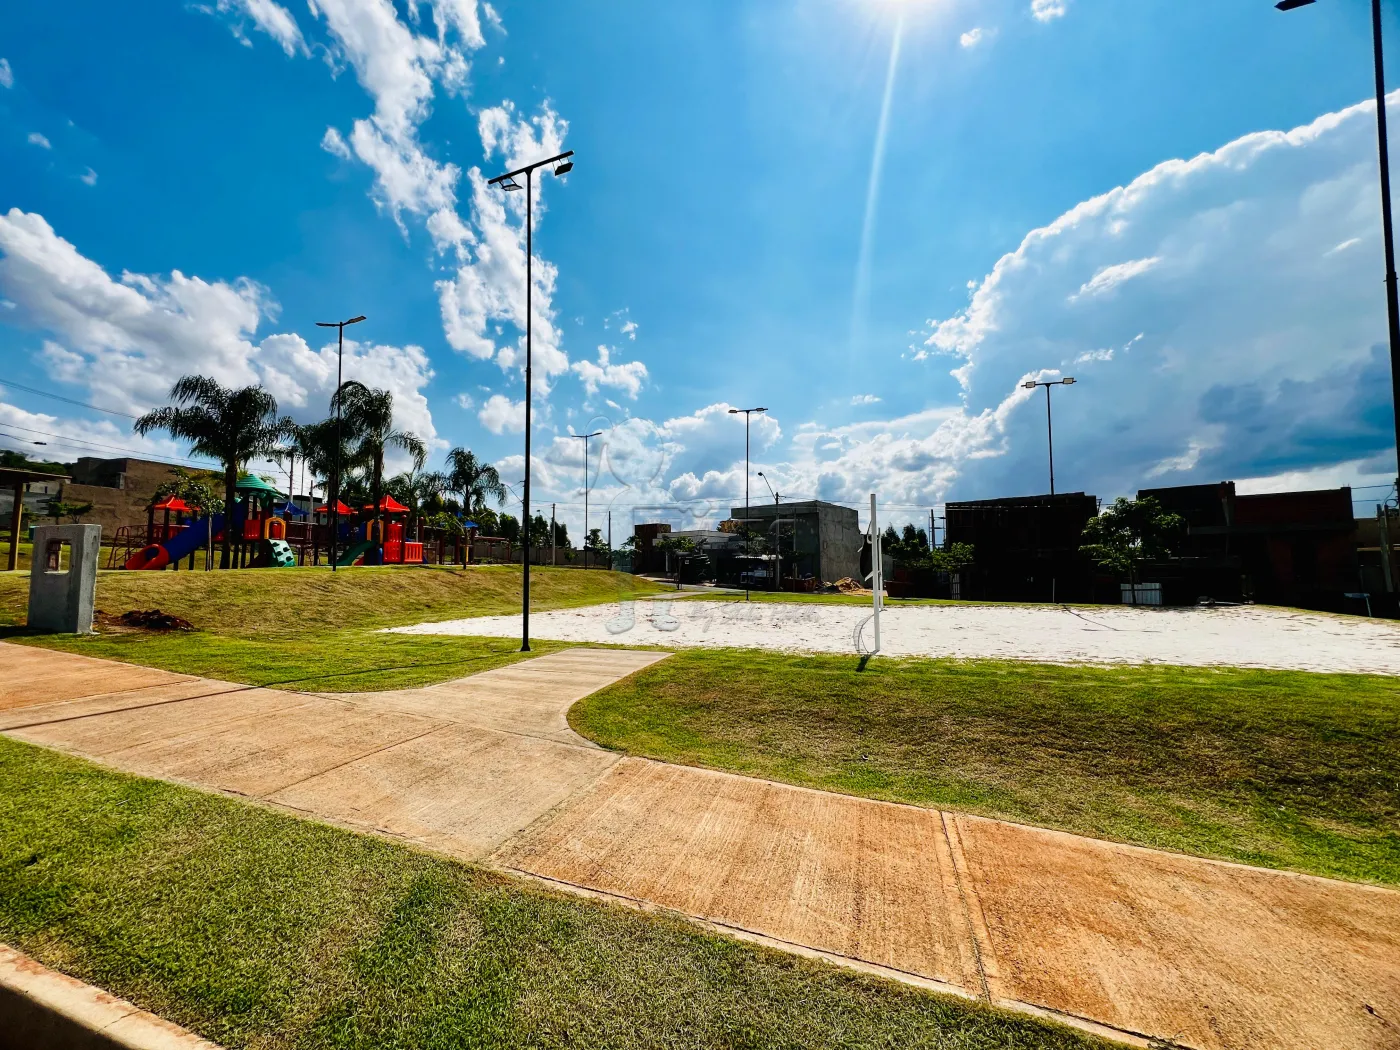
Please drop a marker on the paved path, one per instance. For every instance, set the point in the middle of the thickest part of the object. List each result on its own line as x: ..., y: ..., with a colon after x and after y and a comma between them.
x: 1148, y: 944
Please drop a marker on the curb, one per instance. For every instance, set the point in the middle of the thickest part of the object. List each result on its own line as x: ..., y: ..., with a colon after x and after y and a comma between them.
x: 40, y: 1007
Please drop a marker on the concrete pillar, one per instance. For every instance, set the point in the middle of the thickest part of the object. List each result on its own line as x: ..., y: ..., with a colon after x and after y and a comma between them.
x: 62, y: 599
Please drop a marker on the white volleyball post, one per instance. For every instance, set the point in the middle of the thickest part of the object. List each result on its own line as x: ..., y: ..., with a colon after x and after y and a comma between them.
x: 877, y: 571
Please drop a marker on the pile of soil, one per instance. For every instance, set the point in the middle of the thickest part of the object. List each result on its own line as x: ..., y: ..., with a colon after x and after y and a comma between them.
x: 850, y: 586
x: 143, y: 620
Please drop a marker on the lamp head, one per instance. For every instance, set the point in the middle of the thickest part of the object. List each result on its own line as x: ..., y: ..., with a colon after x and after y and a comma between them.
x: 1029, y: 384
x: 1068, y: 381
x: 1290, y: 5
x: 511, y: 184
x: 563, y: 169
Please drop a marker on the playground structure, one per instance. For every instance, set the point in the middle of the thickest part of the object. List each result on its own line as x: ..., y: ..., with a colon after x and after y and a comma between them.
x: 272, y: 531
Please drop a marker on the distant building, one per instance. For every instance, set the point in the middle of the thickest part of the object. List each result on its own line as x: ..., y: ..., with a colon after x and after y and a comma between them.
x: 819, y: 541
x: 118, y: 489
x: 1277, y: 548
x: 1027, y: 549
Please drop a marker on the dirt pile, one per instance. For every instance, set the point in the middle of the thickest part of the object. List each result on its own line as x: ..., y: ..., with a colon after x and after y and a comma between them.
x: 143, y: 620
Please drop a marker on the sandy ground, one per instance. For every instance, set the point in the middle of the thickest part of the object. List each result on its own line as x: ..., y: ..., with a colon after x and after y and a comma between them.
x: 1240, y: 637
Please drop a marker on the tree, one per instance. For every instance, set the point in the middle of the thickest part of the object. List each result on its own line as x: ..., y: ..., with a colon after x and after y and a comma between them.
x: 416, y: 491
x: 474, y: 479
x: 369, y: 414
x: 1131, y: 532
x: 539, y: 532
x: 57, y: 509
x: 488, y: 522
x: 954, y: 557
x: 196, y: 488
x: 595, y: 540
x: 229, y: 425
x: 509, y: 528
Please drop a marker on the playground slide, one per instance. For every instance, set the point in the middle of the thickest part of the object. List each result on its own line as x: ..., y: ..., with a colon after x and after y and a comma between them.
x: 281, y: 556
x: 353, y: 552
x: 181, y: 545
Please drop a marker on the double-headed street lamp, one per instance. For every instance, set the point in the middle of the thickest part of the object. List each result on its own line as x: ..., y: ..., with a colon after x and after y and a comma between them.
x: 1392, y: 299
x: 584, y: 438
x: 1031, y: 384
x: 747, y: 413
x: 562, y: 165
x: 339, y: 368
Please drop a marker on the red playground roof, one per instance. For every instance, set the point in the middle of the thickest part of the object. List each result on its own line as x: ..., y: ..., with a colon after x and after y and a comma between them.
x: 391, y: 506
x: 172, y: 503
x: 339, y: 506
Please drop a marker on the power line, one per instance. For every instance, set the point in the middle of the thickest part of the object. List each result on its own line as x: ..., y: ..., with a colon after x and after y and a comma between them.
x: 82, y: 445
x: 65, y: 400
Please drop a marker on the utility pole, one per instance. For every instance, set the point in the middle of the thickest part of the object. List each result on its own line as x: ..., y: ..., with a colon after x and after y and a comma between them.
x: 507, y: 182
x: 553, y: 538
x: 339, y: 381
x: 610, y: 546
x: 932, y: 532
x: 747, y: 413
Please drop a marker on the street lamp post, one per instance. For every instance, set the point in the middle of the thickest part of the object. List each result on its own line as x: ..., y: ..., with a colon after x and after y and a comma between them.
x: 1392, y: 299
x: 562, y: 165
x: 339, y: 370
x: 747, y: 413
x: 1031, y: 384
x: 778, y: 538
x: 584, y: 438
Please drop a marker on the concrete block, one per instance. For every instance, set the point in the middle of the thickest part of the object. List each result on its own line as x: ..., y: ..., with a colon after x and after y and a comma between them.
x: 63, y: 583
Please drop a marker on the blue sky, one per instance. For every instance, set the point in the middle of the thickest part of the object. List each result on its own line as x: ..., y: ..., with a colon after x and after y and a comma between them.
x: 1174, y: 202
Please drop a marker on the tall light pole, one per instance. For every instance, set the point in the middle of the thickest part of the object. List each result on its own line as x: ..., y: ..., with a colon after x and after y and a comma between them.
x: 1392, y: 299
x: 778, y: 537
x: 747, y: 413
x: 339, y: 379
x: 1031, y: 384
x: 562, y: 165
x: 584, y: 438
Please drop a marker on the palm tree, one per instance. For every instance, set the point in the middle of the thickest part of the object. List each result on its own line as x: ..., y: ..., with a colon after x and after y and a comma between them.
x: 474, y: 479
x: 369, y: 416
x: 416, y: 490
x: 229, y: 425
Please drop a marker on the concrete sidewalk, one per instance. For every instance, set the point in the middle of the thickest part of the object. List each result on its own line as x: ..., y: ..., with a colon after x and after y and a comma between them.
x: 1131, y: 942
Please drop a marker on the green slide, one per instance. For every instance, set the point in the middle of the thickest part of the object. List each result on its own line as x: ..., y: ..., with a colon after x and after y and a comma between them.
x: 281, y: 556
x: 353, y: 552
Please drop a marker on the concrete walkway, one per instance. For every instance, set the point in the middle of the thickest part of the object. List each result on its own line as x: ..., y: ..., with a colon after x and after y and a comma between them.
x: 1131, y: 942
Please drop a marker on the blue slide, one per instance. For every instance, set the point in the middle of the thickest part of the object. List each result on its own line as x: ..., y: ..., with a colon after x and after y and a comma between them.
x: 181, y: 545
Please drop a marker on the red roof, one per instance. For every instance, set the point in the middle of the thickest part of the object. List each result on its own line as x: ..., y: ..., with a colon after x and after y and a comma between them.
x: 339, y: 506
x: 391, y: 506
x: 172, y: 503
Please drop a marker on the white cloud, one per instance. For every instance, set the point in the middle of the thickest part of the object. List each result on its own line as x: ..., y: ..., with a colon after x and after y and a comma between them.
x: 629, y: 329
x: 272, y: 18
x: 500, y: 415
x: 1048, y: 10
x: 464, y: 400
x: 333, y: 143
x: 7, y: 75
x: 865, y: 399
x: 128, y: 340
x: 89, y: 177
x: 489, y: 286
x: 625, y: 376
x: 1246, y: 356
x: 971, y: 38
x: 1111, y: 277
x: 1350, y: 242
x: 35, y: 139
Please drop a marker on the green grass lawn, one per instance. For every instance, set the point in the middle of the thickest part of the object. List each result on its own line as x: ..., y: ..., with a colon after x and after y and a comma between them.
x: 257, y: 929
x: 1282, y: 769
x: 313, y: 629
